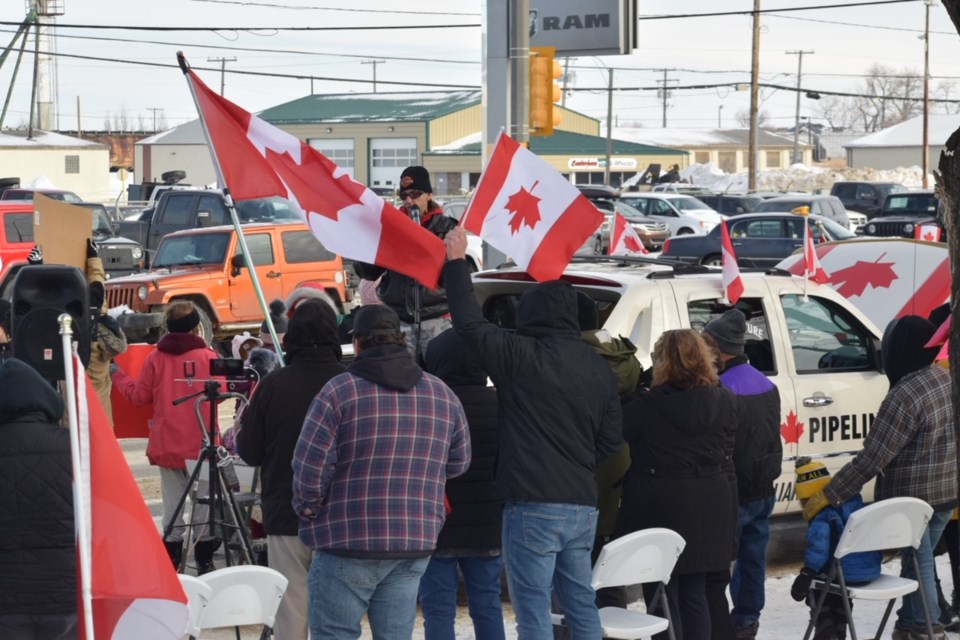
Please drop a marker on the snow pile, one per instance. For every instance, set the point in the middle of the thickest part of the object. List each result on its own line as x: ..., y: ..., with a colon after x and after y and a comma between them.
x: 798, y: 177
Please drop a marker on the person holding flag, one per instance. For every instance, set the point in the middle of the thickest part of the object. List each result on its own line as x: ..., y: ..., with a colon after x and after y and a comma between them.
x: 423, y: 312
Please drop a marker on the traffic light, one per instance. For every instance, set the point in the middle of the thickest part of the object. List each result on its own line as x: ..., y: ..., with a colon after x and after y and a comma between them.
x: 544, y: 91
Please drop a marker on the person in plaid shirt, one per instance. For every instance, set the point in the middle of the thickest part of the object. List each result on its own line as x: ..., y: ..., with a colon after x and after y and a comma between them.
x: 369, y: 470
x: 911, y: 449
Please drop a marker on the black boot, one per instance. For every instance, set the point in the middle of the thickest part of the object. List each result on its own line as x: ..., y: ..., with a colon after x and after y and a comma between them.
x: 203, y: 554
x: 175, y: 551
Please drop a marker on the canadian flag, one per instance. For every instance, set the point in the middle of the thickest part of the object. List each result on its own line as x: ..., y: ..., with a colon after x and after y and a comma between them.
x: 812, y: 268
x: 623, y: 238
x: 732, y: 282
x: 258, y: 160
x: 133, y: 587
x: 524, y: 208
x: 930, y: 232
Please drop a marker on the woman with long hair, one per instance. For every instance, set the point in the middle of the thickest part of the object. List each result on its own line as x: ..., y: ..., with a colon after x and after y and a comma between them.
x: 680, y: 435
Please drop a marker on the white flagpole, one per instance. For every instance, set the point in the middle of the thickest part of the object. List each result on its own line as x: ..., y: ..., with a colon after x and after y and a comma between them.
x: 228, y: 199
x: 81, y: 477
x: 806, y: 263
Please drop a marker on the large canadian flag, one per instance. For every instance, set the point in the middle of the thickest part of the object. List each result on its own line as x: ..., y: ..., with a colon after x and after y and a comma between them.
x: 732, y: 282
x: 524, y: 208
x: 259, y: 160
x: 623, y: 238
x: 133, y: 590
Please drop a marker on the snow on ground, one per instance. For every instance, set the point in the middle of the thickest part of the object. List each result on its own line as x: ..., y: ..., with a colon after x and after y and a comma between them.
x: 798, y: 177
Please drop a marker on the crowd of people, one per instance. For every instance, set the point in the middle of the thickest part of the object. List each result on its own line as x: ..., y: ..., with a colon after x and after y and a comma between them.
x: 450, y: 446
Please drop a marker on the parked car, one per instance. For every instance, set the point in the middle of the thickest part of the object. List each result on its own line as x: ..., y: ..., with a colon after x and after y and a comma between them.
x: 730, y: 204
x: 759, y: 240
x: 864, y: 196
x: 653, y: 232
x: 683, y: 214
x: 455, y: 210
x: 901, y: 213
x: 23, y: 193
x: 821, y: 205
x: 120, y: 256
x: 680, y: 187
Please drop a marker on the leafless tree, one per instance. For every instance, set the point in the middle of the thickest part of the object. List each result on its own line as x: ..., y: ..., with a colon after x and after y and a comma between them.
x: 141, y: 122
x: 122, y: 120
x: 161, y: 120
x: 743, y: 118
x: 837, y: 111
x: 108, y: 122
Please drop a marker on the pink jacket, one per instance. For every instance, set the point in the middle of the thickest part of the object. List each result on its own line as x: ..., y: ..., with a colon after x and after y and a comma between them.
x: 174, y: 431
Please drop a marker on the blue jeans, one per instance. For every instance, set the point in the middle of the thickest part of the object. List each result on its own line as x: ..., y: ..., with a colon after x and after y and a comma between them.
x: 911, y: 613
x: 548, y: 544
x: 343, y: 589
x: 750, y: 570
x: 438, y: 596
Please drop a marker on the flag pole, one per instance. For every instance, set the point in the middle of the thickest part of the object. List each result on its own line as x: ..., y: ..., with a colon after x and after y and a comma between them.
x: 228, y: 199
x: 81, y: 478
x: 806, y: 262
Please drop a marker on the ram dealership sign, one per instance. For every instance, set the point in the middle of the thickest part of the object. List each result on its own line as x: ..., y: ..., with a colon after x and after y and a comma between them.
x: 577, y: 28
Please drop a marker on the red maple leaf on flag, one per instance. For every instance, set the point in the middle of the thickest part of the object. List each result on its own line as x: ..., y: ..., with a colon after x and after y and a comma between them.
x: 929, y: 236
x: 857, y: 276
x: 525, y: 207
x: 792, y: 429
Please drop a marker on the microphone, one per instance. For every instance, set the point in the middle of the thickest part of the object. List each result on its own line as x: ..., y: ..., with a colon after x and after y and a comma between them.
x: 414, y: 211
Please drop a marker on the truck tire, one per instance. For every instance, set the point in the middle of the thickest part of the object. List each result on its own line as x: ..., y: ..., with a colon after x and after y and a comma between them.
x: 173, y: 177
x: 712, y: 260
x: 206, y: 327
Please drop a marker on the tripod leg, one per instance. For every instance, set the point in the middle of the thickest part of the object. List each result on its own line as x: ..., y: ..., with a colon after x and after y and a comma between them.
x: 238, y: 522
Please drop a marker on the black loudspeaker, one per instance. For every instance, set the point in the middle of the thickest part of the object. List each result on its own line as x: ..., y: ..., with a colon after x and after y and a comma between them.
x: 41, y: 294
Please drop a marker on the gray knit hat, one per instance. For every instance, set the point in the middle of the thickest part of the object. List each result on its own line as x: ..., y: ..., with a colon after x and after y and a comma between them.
x: 729, y: 331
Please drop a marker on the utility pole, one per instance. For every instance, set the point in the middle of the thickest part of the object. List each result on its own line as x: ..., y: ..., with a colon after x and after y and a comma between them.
x: 223, y: 70
x: 720, y: 117
x: 664, y: 94
x: 154, y: 111
x: 606, y: 168
x: 563, y: 94
x: 797, y: 157
x: 926, y: 96
x: 374, y: 63
x: 754, y: 154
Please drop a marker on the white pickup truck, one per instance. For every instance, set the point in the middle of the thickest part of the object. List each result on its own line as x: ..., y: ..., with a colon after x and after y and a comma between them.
x: 821, y: 351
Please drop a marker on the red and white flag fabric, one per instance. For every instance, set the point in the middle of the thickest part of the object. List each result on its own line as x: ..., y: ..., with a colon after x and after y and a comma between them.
x: 732, y: 282
x: 930, y: 232
x: 526, y: 209
x: 135, y: 591
x: 812, y: 268
x: 624, y: 239
x: 259, y: 160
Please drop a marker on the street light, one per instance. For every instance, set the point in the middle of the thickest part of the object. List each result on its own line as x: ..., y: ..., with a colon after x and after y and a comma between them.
x: 720, y: 117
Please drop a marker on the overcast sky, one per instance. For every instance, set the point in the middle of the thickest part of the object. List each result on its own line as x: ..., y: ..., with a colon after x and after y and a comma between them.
x: 695, y: 50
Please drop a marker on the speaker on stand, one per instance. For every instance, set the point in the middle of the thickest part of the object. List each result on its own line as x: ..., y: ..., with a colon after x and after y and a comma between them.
x: 41, y: 293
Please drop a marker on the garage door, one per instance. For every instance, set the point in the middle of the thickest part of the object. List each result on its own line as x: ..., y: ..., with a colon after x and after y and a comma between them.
x: 388, y: 158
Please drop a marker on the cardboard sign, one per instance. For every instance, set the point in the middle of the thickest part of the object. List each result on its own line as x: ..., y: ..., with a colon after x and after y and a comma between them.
x: 886, y: 278
x: 61, y: 231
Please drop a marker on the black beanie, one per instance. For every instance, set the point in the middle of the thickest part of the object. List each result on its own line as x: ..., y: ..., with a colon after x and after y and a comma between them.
x: 729, y: 330
x: 415, y: 178
x: 902, y: 351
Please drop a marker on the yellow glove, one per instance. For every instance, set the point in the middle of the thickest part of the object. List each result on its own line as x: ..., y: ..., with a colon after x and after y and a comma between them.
x: 815, y: 505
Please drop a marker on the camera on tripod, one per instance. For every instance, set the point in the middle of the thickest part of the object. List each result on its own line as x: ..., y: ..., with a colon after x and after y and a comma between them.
x: 232, y: 369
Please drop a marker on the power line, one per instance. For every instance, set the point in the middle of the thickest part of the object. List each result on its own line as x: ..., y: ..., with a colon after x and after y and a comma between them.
x: 865, y: 26
x: 127, y: 27
x: 308, y: 8
x: 714, y: 14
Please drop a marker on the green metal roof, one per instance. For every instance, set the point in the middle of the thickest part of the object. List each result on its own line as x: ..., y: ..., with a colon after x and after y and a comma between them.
x: 371, y: 107
x: 567, y: 143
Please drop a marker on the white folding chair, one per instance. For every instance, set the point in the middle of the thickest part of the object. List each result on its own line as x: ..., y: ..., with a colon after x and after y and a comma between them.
x: 198, y: 595
x: 641, y: 557
x: 895, y: 523
x: 243, y: 595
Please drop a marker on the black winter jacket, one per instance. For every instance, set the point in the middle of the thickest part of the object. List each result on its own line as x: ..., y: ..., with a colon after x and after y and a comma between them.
x: 474, y: 523
x: 271, y: 428
x: 679, y: 446
x: 37, y: 558
x: 560, y: 413
x: 758, y: 452
x: 397, y: 290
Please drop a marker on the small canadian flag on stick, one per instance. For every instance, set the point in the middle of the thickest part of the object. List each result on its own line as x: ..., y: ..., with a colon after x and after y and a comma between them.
x: 930, y: 232
x: 624, y: 239
x: 732, y: 282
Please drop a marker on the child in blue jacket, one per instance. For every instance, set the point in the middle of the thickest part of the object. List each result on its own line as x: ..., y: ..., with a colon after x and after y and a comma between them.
x: 823, y: 533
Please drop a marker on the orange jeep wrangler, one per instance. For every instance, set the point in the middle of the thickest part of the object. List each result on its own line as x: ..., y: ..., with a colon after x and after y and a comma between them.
x: 207, y: 267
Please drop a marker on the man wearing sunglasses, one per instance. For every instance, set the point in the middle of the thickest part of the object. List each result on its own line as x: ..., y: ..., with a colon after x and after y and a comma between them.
x: 423, y: 312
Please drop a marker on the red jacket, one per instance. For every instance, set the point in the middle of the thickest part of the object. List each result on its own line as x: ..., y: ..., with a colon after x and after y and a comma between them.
x: 174, y: 431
